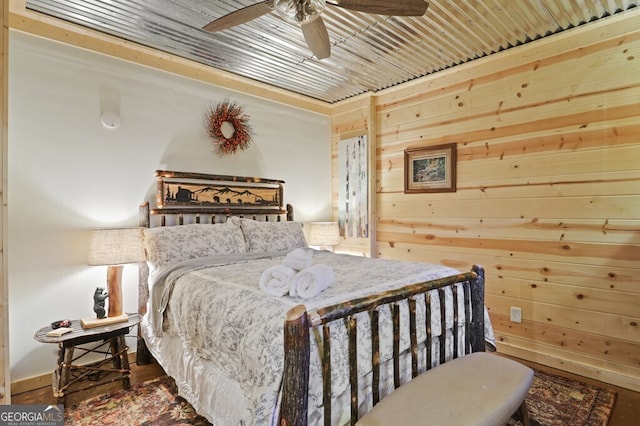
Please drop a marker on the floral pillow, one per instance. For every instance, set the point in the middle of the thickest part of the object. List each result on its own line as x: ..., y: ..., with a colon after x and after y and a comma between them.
x: 271, y: 236
x: 167, y: 244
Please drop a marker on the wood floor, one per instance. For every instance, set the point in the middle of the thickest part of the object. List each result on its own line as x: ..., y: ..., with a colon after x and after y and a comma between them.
x: 626, y: 412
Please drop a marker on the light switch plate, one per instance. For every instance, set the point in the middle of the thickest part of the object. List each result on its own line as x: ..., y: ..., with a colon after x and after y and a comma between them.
x: 516, y: 314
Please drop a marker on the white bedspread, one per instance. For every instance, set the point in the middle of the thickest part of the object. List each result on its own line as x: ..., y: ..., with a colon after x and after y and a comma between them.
x: 222, y: 314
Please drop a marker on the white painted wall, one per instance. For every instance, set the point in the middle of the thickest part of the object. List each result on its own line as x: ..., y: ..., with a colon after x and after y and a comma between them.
x: 68, y: 174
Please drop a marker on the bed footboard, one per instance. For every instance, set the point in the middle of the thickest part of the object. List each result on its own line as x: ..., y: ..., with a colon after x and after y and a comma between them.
x: 299, y: 322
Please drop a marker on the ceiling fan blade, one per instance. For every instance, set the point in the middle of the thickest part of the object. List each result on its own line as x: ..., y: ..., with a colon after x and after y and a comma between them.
x: 240, y: 16
x: 317, y: 37
x: 385, y: 7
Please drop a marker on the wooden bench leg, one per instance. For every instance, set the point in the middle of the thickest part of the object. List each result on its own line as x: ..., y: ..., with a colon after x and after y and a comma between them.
x: 524, y: 414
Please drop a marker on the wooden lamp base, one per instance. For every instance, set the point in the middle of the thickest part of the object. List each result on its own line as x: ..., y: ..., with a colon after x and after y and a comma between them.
x: 114, y: 290
x: 99, y: 322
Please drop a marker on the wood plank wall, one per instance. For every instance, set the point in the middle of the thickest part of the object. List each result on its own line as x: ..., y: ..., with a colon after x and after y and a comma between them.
x: 548, y: 198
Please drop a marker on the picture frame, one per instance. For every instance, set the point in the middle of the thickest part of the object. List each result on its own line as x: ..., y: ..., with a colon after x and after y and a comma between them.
x: 430, y: 169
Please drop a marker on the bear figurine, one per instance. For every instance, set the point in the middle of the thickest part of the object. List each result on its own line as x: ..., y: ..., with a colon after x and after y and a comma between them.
x: 99, y: 297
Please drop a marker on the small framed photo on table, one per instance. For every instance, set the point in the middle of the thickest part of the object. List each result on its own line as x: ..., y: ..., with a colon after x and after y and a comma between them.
x: 430, y: 169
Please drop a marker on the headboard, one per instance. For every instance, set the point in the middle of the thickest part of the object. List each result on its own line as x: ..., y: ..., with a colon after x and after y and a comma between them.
x: 186, y: 198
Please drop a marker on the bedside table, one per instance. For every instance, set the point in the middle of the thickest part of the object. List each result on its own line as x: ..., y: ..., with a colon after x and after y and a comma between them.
x: 113, y: 346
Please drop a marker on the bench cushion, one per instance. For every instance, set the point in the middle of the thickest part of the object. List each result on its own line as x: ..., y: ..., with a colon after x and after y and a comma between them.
x: 476, y: 389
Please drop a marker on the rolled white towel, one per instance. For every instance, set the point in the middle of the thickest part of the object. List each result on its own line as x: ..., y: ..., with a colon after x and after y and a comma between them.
x: 276, y: 280
x: 311, y: 281
x: 299, y: 259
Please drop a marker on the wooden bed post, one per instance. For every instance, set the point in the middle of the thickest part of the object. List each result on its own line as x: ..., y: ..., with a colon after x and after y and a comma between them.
x: 143, y: 356
x: 293, y: 407
x: 289, y: 213
x: 477, y: 308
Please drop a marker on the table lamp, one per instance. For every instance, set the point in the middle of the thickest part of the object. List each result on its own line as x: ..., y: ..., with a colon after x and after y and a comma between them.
x: 324, y: 234
x: 114, y: 248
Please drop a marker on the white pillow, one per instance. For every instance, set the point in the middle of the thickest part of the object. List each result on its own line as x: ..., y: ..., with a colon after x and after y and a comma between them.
x: 167, y: 244
x: 271, y: 236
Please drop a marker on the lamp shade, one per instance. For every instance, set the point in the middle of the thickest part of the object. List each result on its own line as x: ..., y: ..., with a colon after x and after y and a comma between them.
x: 116, y: 246
x: 324, y: 234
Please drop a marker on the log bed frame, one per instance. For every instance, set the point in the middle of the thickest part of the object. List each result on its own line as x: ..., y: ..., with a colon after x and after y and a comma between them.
x: 299, y: 322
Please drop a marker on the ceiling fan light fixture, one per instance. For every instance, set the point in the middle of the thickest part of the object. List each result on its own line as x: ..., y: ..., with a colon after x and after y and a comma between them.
x: 299, y: 11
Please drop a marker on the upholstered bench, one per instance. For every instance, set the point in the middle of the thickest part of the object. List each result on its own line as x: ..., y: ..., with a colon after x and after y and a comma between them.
x: 476, y: 389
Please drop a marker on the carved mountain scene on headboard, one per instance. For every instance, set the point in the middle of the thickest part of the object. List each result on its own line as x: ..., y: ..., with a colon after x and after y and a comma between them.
x: 180, y: 189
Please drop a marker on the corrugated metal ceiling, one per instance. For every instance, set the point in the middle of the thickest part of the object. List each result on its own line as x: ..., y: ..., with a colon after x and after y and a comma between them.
x: 368, y: 52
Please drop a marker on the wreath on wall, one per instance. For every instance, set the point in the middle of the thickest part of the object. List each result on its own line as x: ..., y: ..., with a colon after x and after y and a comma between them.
x: 229, y: 127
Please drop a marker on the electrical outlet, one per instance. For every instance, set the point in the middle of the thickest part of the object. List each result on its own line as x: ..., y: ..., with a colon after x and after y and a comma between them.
x: 516, y: 314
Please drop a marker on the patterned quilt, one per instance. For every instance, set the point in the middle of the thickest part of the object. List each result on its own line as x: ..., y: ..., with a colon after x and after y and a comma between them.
x: 221, y: 312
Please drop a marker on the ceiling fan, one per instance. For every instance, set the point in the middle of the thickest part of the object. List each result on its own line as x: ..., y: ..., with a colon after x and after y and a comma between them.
x: 306, y: 13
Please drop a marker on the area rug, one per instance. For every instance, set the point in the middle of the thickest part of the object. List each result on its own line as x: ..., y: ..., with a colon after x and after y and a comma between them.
x: 555, y: 400
x: 552, y: 400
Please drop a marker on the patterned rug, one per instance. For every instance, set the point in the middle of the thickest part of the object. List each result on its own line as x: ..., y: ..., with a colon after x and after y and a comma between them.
x: 552, y: 400
x: 155, y: 402
x: 555, y: 400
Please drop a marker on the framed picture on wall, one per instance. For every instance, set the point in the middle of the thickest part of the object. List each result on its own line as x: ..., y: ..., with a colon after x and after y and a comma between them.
x: 430, y: 169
